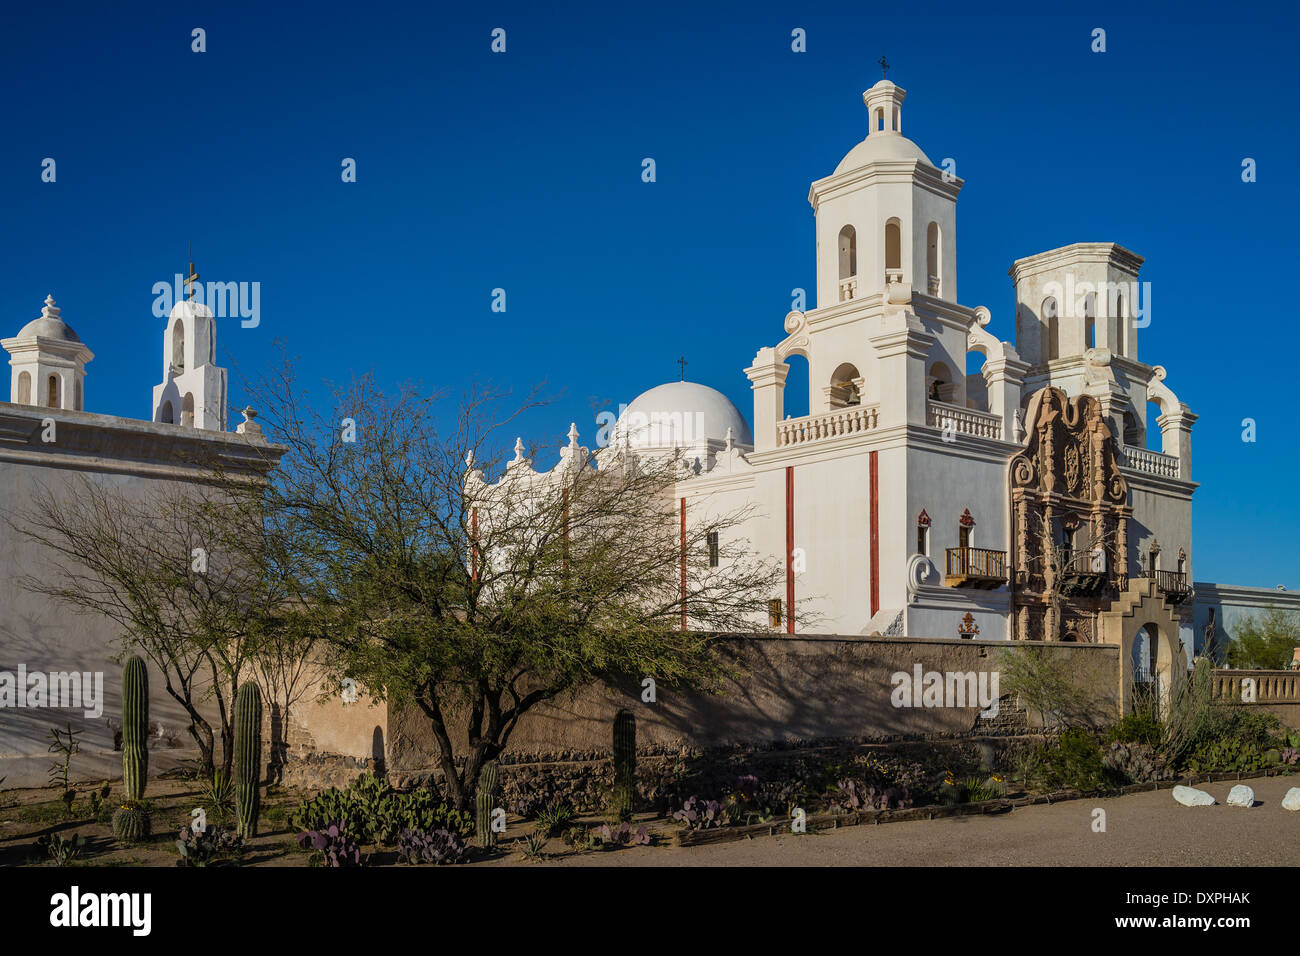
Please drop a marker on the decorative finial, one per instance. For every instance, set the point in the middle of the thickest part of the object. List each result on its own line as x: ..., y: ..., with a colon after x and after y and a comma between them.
x: 682, y: 362
x: 731, y: 439
x: 519, y: 449
x: 573, y: 434
x: 469, y: 460
x: 50, y: 311
x: 884, y: 66
x: 249, y: 426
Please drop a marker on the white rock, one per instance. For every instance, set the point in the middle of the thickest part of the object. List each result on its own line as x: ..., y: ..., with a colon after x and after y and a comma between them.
x: 1292, y: 799
x: 1241, y: 796
x: 1191, y: 797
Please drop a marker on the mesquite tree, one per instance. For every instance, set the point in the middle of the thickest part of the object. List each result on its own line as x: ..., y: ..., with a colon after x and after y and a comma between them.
x: 475, y: 589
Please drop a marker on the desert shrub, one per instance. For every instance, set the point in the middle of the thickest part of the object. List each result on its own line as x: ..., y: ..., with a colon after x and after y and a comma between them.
x: 1073, y: 761
x: 1049, y: 684
x: 554, y: 817
x: 1142, y: 727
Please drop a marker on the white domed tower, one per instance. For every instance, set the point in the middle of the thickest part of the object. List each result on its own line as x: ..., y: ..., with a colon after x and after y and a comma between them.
x: 887, y: 216
x: 193, y: 389
x: 48, y: 361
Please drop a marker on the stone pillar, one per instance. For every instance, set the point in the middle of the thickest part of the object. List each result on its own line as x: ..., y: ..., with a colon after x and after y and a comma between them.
x: 902, y: 349
x: 1176, y: 433
x: 767, y: 379
x: 1005, y: 377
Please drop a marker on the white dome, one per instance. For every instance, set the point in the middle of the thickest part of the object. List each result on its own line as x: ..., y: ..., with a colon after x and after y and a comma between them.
x: 881, y: 146
x: 681, y: 415
x: 49, y: 328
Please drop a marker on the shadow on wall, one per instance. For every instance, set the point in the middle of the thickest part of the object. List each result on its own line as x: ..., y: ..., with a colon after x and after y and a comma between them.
x: 789, y: 690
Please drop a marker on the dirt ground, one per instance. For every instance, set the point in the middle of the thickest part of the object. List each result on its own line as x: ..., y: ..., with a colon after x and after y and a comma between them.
x: 1144, y: 829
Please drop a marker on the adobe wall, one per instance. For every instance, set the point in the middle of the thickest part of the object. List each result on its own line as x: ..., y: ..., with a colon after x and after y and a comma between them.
x: 790, y: 693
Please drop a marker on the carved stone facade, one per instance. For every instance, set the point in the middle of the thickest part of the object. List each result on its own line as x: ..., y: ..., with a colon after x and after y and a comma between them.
x: 1069, y: 520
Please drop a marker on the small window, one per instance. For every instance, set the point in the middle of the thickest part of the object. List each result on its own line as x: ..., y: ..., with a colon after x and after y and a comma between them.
x: 24, y: 388
x: 964, y: 536
x: 774, y: 615
x: 52, y: 399
x: 712, y: 539
x: 923, y: 540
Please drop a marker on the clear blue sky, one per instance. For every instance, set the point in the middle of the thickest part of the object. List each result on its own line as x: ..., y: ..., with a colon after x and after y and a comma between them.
x: 522, y: 171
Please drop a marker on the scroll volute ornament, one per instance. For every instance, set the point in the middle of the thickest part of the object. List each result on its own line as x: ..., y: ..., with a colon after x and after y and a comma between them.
x: 1070, y: 446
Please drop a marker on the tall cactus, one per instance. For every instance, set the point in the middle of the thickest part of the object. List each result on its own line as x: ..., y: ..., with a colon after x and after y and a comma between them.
x: 624, y: 764
x: 248, y: 757
x: 135, y: 728
x: 483, y: 804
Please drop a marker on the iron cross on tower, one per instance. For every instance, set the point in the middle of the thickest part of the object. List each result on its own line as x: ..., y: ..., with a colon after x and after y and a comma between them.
x: 192, y: 278
x: 682, y: 362
x: 884, y: 66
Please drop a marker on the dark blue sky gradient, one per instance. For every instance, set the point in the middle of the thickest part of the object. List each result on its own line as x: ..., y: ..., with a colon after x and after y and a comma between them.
x: 522, y: 171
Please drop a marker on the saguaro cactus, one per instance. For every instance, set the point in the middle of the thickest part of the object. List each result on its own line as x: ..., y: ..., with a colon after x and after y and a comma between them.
x: 483, y: 804
x: 135, y: 728
x: 248, y: 757
x: 624, y: 764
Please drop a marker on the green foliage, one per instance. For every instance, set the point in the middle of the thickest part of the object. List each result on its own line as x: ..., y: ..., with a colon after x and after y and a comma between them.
x: 1266, y: 641
x: 624, y: 794
x: 135, y: 727
x: 131, y: 823
x: 376, y: 813
x: 532, y: 845
x: 1137, y: 728
x: 1237, y: 739
x: 1073, y: 761
x: 218, y: 795
x: 60, y: 849
x: 554, y: 817
x: 248, y: 757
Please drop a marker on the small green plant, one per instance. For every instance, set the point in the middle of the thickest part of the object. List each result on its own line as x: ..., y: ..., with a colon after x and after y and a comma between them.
x: 554, y: 817
x: 60, y: 849
x: 218, y: 795
x: 98, y: 801
x: 580, y: 838
x: 66, y: 746
x: 532, y: 845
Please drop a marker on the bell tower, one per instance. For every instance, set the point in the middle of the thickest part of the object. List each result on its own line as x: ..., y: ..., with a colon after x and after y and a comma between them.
x: 193, y: 389
x: 887, y: 216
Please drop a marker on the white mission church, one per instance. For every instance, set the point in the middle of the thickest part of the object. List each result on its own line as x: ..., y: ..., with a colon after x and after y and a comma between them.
x: 1020, y: 502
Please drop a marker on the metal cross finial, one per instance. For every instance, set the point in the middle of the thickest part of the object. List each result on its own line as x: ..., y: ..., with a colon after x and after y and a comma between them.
x: 884, y: 66
x: 682, y: 362
x: 193, y: 277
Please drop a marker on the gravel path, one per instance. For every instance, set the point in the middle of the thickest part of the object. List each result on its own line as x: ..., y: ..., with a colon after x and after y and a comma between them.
x: 1143, y: 829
